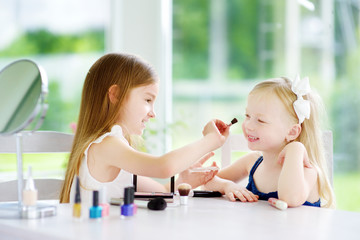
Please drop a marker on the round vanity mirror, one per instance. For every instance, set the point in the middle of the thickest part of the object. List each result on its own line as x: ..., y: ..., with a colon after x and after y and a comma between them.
x: 23, y: 89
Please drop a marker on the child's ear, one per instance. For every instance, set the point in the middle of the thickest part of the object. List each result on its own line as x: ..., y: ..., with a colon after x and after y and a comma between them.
x: 293, y: 133
x: 114, y: 94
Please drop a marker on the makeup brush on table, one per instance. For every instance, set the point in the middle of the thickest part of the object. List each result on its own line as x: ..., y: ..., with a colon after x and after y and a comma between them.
x: 184, y: 190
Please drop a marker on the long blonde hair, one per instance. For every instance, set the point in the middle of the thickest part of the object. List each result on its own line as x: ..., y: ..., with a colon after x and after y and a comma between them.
x: 311, y: 133
x: 97, y: 115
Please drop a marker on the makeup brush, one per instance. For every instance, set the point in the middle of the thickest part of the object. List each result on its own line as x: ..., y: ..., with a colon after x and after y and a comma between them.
x: 233, y: 122
x: 184, y: 190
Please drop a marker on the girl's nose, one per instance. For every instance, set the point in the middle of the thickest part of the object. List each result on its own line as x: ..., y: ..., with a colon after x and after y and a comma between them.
x: 248, y: 125
x: 152, y: 114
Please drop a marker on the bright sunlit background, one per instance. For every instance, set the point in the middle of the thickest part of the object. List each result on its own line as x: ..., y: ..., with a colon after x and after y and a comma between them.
x: 218, y: 49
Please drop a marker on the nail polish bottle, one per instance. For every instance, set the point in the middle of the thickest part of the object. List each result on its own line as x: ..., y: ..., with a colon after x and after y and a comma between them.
x: 30, y: 193
x: 77, y: 203
x: 128, y: 208
x: 104, y: 203
x: 95, y: 210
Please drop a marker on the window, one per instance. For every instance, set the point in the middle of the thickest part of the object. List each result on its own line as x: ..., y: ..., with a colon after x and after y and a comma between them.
x: 222, y: 48
x: 65, y: 38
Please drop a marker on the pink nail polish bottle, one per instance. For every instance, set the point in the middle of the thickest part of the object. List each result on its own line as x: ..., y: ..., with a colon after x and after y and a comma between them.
x: 104, y: 203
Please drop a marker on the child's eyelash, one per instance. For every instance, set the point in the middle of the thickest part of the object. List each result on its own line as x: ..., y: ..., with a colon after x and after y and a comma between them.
x: 261, y: 121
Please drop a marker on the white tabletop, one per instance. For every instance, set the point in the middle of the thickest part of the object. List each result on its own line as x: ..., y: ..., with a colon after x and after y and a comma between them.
x: 202, y: 218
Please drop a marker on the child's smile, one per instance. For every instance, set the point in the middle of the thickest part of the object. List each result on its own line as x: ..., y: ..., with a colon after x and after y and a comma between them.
x: 252, y: 138
x: 266, y: 122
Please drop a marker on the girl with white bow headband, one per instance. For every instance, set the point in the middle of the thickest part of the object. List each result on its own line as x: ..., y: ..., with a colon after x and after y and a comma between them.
x: 282, y: 128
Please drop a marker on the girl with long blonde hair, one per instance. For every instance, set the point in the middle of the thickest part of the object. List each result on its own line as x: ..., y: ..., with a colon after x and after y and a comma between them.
x: 117, y: 100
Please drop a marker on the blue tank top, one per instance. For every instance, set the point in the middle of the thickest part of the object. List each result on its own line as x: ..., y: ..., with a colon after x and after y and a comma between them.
x: 265, y: 196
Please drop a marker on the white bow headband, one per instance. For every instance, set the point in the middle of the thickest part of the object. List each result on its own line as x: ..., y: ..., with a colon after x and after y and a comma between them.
x: 301, y: 106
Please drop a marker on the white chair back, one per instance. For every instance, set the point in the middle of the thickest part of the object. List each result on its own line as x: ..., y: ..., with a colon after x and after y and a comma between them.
x: 37, y: 142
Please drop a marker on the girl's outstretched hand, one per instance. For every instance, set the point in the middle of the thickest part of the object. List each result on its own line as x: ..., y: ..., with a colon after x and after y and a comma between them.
x: 294, y: 149
x: 218, y: 127
x: 222, y: 127
x: 196, y: 179
x: 234, y: 191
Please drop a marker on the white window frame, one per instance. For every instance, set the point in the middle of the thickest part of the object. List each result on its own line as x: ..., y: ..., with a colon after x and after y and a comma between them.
x: 144, y: 28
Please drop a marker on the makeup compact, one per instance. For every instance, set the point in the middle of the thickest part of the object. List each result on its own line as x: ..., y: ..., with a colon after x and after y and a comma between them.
x: 147, y: 196
x: 167, y: 196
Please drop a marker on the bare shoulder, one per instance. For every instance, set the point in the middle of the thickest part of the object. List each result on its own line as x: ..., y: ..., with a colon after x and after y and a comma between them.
x: 111, y: 142
x: 251, y: 158
x: 109, y: 149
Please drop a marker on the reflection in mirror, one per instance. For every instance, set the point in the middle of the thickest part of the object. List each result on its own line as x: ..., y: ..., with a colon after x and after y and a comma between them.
x: 23, y: 88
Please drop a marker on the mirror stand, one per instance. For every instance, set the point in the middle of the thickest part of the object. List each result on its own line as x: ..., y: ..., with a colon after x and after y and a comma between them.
x: 20, y: 177
x: 17, y: 209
